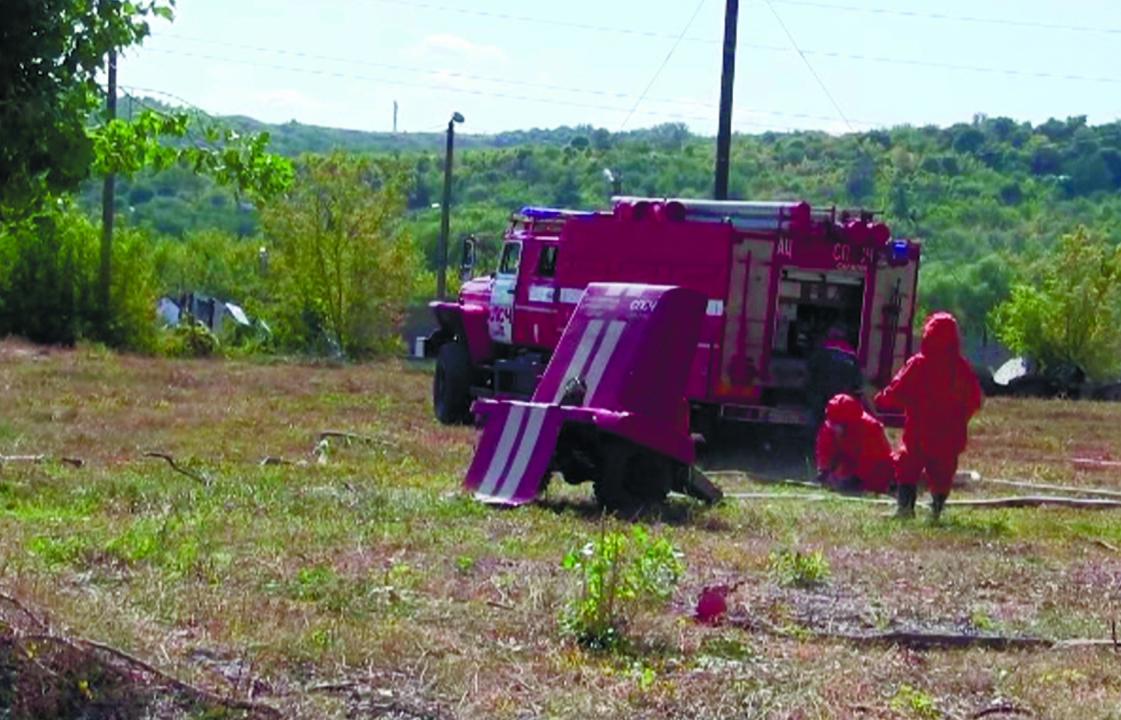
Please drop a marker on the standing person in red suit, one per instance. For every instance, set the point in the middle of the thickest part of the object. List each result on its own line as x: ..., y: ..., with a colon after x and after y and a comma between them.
x: 852, y: 452
x: 939, y: 394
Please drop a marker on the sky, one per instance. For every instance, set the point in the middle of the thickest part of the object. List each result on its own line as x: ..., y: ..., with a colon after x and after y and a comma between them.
x: 832, y: 65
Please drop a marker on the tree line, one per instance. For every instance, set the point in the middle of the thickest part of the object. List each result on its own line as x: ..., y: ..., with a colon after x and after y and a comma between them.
x: 350, y: 219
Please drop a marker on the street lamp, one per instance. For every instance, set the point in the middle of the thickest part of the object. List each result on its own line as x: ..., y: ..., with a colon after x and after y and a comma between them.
x: 442, y: 248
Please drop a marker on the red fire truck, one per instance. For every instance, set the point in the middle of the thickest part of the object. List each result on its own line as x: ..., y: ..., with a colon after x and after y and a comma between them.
x: 776, y: 275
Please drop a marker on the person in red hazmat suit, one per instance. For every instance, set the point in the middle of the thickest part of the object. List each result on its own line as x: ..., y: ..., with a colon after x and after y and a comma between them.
x: 852, y: 452
x: 939, y: 393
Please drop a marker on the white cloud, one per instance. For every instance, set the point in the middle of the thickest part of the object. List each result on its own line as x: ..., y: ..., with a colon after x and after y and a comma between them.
x: 452, y: 46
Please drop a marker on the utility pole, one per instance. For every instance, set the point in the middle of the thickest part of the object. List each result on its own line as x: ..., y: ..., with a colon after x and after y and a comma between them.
x: 724, y: 136
x: 394, y: 117
x: 107, y: 201
x: 445, y: 207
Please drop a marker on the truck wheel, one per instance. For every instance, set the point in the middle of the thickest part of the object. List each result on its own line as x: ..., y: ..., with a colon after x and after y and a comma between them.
x: 451, y: 397
x: 633, y: 476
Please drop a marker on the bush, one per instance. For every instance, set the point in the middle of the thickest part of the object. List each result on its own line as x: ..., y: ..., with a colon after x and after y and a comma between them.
x: 795, y: 569
x: 1068, y: 313
x: 48, y: 279
x: 619, y: 577
x: 189, y: 339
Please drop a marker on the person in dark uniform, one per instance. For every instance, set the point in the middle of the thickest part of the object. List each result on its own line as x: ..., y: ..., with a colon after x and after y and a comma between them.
x: 833, y: 370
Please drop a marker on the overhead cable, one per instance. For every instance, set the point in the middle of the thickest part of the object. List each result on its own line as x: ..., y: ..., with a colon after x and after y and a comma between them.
x: 954, y: 18
x: 662, y: 67
x: 813, y: 72
x: 467, y: 91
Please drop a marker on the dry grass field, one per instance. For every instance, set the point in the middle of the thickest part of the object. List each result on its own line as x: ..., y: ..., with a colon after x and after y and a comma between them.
x: 358, y: 580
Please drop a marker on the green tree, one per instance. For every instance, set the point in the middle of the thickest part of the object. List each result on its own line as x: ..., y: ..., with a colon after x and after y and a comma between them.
x: 1068, y: 314
x: 53, y: 50
x: 345, y: 265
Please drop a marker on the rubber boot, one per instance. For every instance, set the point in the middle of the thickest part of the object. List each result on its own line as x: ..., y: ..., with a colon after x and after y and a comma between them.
x: 937, y: 502
x: 906, y: 500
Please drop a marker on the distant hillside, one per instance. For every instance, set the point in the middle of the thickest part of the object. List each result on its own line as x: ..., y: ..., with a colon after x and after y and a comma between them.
x: 983, y: 196
x: 292, y: 138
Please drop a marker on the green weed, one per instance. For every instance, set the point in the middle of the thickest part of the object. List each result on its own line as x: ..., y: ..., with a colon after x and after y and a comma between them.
x: 59, y: 551
x: 797, y: 569
x: 619, y: 576
x: 981, y: 620
x: 916, y: 702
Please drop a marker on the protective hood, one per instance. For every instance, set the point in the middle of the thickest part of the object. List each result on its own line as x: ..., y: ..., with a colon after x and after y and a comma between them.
x: 940, y: 335
x: 843, y: 409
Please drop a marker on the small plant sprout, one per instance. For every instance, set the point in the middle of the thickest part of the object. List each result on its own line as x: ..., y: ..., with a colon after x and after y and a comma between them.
x: 798, y: 569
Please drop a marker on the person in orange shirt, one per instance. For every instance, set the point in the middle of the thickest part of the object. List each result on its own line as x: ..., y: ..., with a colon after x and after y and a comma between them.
x: 939, y: 393
x: 852, y: 451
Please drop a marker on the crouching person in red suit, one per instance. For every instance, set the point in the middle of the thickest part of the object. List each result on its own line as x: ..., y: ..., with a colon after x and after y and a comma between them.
x: 852, y: 452
x: 939, y: 393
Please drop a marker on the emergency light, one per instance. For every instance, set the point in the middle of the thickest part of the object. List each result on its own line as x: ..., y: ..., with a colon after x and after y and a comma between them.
x: 544, y: 213
x: 899, y: 251
x: 540, y: 212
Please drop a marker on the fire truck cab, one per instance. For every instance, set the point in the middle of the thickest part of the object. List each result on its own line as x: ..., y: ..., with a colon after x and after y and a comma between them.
x: 776, y: 276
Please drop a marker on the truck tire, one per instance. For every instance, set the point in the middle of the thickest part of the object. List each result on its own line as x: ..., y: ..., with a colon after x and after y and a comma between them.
x: 451, y: 385
x: 633, y: 476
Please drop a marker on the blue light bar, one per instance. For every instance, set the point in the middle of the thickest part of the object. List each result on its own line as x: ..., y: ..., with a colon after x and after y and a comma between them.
x: 899, y: 250
x: 542, y: 213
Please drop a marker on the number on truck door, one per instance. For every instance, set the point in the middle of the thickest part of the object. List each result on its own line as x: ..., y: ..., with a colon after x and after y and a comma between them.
x: 500, y: 321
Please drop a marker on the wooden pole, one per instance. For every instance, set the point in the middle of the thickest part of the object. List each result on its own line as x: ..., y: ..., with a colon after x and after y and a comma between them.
x: 727, y: 83
x: 107, y: 202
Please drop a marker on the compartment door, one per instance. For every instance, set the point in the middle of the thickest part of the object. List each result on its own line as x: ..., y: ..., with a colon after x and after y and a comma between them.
x: 889, y: 321
x: 747, y: 310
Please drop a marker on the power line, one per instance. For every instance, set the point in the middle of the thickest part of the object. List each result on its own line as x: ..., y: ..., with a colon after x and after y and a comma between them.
x: 951, y: 66
x: 404, y: 68
x: 467, y: 91
x: 955, y: 18
x: 830, y: 6
x: 811, y: 67
x: 188, y: 103
x: 484, y: 78
x: 804, y: 3
x: 662, y: 67
x: 753, y: 46
x: 540, y: 21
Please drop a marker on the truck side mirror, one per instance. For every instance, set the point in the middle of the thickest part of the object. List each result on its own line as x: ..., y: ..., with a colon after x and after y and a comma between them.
x: 467, y: 258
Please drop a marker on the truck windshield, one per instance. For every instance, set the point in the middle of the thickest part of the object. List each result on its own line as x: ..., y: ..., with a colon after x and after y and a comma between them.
x: 511, y: 255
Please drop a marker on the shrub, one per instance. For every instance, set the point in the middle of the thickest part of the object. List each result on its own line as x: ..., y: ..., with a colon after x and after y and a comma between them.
x: 48, y: 278
x: 795, y: 569
x: 619, y: 576
x: 189, y: 339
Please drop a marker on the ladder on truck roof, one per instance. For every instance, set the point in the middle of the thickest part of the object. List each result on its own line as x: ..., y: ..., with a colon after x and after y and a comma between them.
x: 749, y: 215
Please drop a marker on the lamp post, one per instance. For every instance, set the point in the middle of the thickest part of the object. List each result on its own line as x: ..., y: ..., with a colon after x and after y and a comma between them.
x: 445, y: 207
